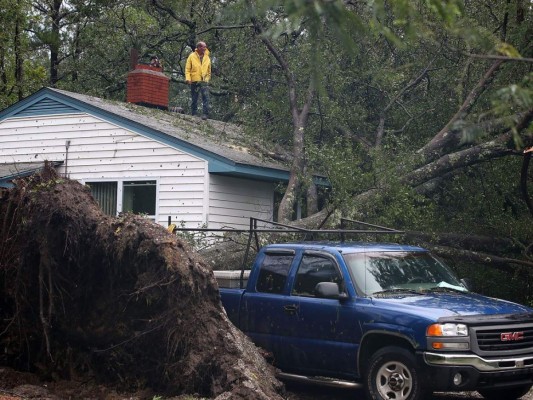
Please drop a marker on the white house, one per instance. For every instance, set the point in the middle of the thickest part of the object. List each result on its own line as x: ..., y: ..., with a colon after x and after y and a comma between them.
x: 172, y: 167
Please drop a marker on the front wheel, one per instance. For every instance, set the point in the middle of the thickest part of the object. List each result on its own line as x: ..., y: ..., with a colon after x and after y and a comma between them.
x: 392, y: 374
x: 508, y: 393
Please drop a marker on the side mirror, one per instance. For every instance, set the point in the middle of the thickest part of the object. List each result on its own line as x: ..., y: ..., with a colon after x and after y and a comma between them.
x: 329, y: 290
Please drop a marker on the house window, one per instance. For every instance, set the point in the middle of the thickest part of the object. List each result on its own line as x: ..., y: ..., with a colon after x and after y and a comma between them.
x: 105, y: 193
x: 138, y: 197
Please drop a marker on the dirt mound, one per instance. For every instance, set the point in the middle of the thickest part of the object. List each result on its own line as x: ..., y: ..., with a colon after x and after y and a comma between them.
x: 119, y: 300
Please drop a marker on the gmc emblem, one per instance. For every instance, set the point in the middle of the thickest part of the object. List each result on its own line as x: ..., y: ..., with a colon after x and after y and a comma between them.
x: 511, y: 336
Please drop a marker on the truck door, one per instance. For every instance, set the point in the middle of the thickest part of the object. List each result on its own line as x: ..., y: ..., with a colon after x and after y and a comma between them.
x: 326, y: 331
x: 269, y: 311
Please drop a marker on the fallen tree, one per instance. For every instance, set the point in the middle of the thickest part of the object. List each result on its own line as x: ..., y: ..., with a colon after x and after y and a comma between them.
x: 446, y: 155
x: 117, y: 299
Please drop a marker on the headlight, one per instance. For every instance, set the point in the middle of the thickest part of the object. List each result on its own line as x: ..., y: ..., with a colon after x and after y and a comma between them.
x: 447, y: 330
x: 448, y: 337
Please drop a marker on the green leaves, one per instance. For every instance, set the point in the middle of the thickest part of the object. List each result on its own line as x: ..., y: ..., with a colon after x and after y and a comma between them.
x: 400, y: 20
x: 310, y: 18
x: 512, y: 101
x: 515, y: 97
x: 346, y: 166
x: 447, y: 10
x: 507, y: 50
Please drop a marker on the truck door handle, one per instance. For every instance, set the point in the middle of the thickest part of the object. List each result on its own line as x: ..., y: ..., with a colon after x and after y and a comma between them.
x: 290, y: 308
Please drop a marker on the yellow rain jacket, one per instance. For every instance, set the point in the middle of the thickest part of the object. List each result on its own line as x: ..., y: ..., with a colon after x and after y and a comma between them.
x: 196, y: 71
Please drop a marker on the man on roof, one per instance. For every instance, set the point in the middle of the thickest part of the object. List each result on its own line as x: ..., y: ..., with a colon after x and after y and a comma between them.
x: 197, y: 75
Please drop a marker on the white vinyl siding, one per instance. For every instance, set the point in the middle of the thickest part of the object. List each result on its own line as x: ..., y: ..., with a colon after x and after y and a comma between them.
x: 233, y: 201
x: 101, y: 151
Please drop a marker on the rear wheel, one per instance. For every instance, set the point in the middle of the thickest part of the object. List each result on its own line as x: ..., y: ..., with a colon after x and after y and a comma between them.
x: 507, y: 393
x: 392, y: 374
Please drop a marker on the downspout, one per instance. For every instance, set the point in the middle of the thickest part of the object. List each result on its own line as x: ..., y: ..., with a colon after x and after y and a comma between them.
x: 67, y: 145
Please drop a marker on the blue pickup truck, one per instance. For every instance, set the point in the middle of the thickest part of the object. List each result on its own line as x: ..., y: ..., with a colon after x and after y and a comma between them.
x: 390, y: 318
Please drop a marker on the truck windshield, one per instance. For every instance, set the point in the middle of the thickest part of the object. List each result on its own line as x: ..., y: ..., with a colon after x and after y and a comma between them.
x: 376, y: 272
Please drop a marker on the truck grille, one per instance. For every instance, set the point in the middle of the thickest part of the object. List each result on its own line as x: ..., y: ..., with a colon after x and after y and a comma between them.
x: 506, y: 338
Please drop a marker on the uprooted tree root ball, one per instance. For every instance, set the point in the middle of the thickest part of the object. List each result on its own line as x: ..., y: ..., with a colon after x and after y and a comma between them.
x: 119, y: 300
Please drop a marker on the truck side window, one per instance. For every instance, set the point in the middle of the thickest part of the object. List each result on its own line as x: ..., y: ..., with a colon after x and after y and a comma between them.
x: 313, y: 270
x: 273, y: 273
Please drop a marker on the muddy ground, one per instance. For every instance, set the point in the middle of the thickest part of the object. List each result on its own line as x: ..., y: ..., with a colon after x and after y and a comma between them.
x: 301, y: 392
x: 20, y: 386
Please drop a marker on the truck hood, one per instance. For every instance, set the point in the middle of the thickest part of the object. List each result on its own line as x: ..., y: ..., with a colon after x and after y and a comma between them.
x: 436, y: 305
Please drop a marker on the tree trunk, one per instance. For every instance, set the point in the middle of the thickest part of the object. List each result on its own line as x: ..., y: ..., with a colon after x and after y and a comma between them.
x: 290, y: 197
x: 19, y: 72
x: 55, y: 41
x: 299, y: 122
x: 312, y: 199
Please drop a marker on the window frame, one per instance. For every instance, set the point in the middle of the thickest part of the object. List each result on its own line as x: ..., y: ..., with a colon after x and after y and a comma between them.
x: 325, y: 256
x: 120, y: 191
x: 277, y: 253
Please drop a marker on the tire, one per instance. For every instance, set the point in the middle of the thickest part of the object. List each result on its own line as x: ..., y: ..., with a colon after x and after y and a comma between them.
x: 392, y: 374
x: 507, y: 393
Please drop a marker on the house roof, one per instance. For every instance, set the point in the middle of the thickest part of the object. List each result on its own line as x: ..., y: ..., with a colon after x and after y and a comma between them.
x: 10, y: 171
x: 223, y: 145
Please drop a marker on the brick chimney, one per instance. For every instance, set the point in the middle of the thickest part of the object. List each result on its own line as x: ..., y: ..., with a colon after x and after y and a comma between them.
x: 148, y: 86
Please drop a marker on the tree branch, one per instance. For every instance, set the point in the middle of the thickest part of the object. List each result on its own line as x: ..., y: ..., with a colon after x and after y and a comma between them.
x: 467, y: 241
x: 499, y: 58
x: 501, y: 263
x: 498, y: 147
x: 486, y: 151
x: 524, y: 177
x: 435, y: 146
x: 413, y: 83
x: 158, y: 5
x: 225, y: 27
